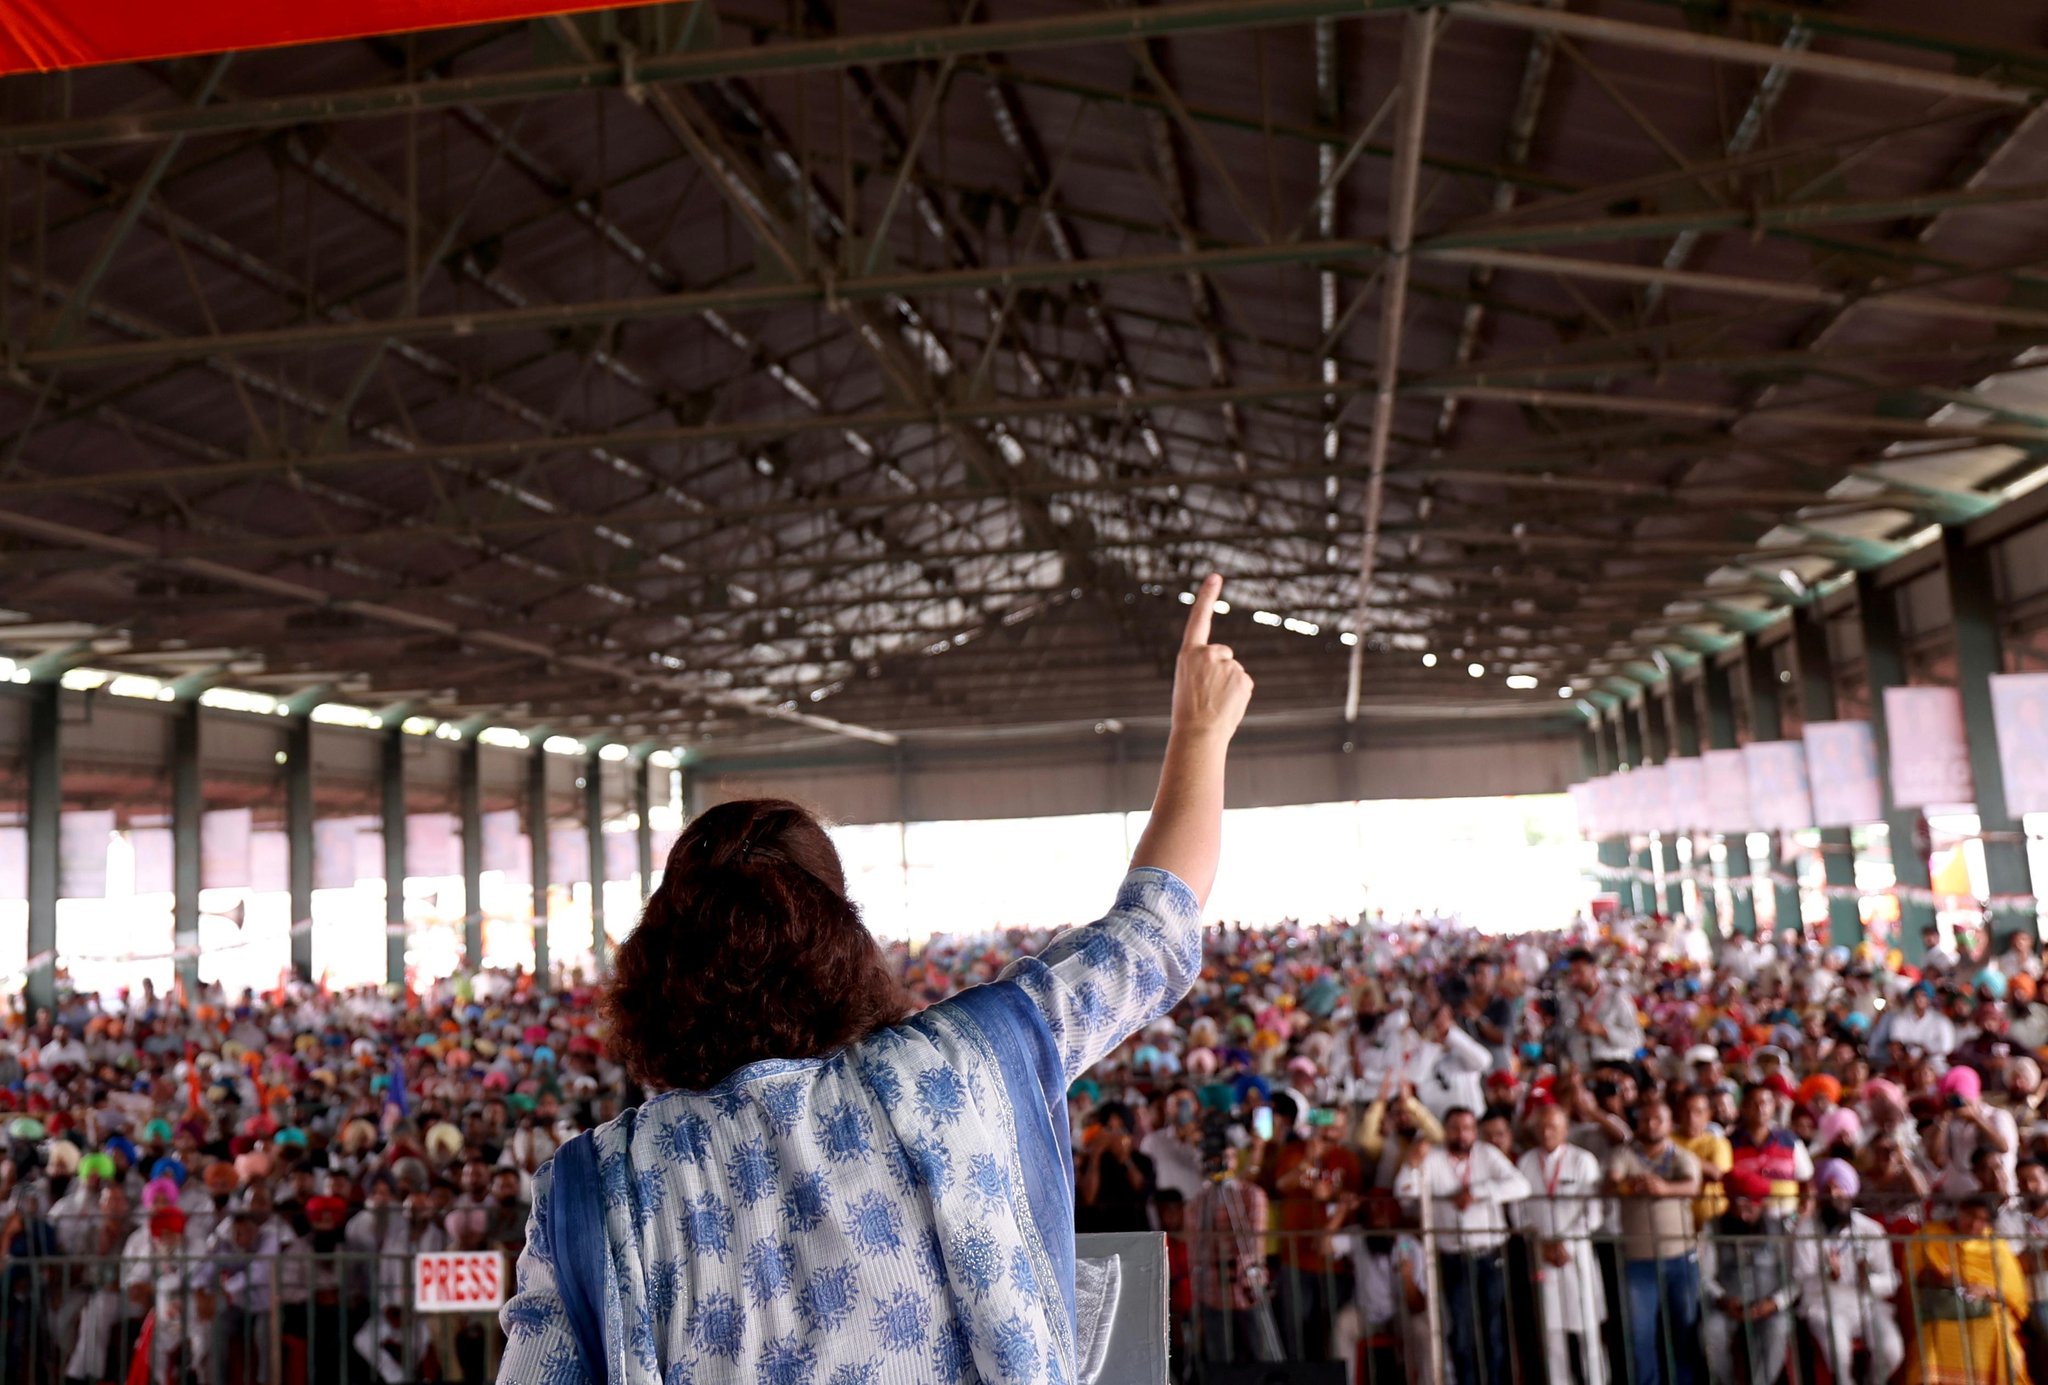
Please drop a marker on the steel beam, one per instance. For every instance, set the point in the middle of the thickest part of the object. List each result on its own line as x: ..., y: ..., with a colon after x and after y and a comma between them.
x: 537, y: 841
x: 1817, y: 703
x: 45, y: 810
x: 1767, y: 723
x: 1884, y: 666
x: 470, y: 792
x: 391, y: 794
x: 1980, y: 652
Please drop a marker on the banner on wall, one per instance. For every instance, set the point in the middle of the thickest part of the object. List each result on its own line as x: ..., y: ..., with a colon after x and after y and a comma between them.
x: 224, y: 849
x: 13, y: 863
x: 369, y: 849
x: 82, y: 842
x: 1930, y: 749
x: 569, y: 855
x: 334, y: 852
x: 433, y: 845
x: 2019, y: 709
x: 1653, y: 798
x: 1841, y: 767
x: 621, y: 855
x: 1582, y: 805
x: 1727, y: 790
x: 154, y: 862
x: 270, y: 862
x: 1779, y: 798
x: 505, y: 843
x: 1685, y: 780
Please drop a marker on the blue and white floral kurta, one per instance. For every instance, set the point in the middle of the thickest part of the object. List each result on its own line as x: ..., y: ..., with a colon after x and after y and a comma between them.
x: 861, y: 1219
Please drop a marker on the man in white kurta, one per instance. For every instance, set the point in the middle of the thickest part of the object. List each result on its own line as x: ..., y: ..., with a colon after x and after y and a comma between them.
x: 1842, y: 1268
x: 1562, y: 1211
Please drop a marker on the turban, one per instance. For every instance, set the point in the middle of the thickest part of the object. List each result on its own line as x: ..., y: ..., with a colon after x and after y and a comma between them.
x: 160, y: 1192
x: 1746, y: 1183
x: 2022, y: 1072
x: 168, y: 1168
x: 96, y: 1166
x: 1882, y: 1089
x: 166, y: 1222
x: 1838, y: 1173
x: 1961, y: 1082
x: 321, y: 1208
x: 1820, y: 1084
x: 1842, y: 1123
x: 220, y: 1178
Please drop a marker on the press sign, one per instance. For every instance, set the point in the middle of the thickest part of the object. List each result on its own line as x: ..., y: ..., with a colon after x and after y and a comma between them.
x: 458, y: 1281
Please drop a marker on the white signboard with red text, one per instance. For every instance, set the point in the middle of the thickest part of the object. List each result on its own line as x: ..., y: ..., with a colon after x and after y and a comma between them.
x: 459, y: 1281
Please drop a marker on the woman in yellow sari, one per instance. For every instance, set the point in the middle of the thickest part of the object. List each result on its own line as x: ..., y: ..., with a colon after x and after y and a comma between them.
x: 1969, y: 1298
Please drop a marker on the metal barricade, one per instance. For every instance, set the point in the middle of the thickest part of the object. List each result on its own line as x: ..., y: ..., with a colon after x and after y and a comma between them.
x: 1415, y: 1306
x: 204, y: 1316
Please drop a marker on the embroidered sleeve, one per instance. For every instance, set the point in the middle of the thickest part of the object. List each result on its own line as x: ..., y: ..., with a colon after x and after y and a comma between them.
x: 1100, y: 984
x: 539, y: 1349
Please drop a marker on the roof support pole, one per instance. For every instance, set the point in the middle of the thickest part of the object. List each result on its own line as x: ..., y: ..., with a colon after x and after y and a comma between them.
x: 1628, y: 733
x: 298, y: 833
x: 537, y: 841
x: 1416, y: 47
x: 1767, y: 723
x: 593, y: 826
x: 391, y: 786
x: 1884, y: 666
x: 643, y: 832
x: 1817, y: 703
x: 1718, y: 685
x: 469, y: 787
x: 188, y: 808
x: 45, y: 802
x: 1980, y: 652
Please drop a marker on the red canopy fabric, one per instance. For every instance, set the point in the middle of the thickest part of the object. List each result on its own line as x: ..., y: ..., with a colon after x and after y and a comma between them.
x: 45, y: 35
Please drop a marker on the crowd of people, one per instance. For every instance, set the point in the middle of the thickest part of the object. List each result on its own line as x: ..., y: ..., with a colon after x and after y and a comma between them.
x: 1592, y: 1155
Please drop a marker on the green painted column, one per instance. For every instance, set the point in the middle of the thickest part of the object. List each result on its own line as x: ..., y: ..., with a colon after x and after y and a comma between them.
x: 45, y: 804
x: 188, y: 808
x: 1642, y: 890
x: 1767, y: 723
x: 1817, y: 703
x: 1717, y: 684
x: 469, y: 771
x: 298, y: 836
x: 1681, y: 739
x: 1973, y: 610
x: 593, y: 822
x: 1884, y: 666
x: 1598, y: 753
x: 1657, y: 743
x: 537, y: 839
x: 643, y: 809
x: 392, y: 789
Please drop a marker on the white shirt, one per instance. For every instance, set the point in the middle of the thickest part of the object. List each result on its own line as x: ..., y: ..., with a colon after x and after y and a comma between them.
x: 1931, y: 1033
x: 1864, y: 1260
x: 1964, y: 1138
x: 1615, y: 1010
x: 1445, y: 1074
x: 1486, y: 1174
x: 1175, y: 1164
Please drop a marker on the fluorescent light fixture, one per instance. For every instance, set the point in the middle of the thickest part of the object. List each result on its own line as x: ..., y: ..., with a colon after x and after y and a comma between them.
x: 662, y: 759
x: 1476, y: 670
x: 1265, y: 617
x: 1222, y: 608
x: 1565, y: 691
x: 1429, y: 661
x: 1793, y: 581
x: 1347, y: 638
x: 237, y: 700
x: 419, y: 726
x: 562, y: 745
x: 1302, y: 627
x: 341, y: 714
x: 504, y: 738
x: 139, y: 685
x: 1521, y: 682
x: 613, y: 752
x: 84, y: 679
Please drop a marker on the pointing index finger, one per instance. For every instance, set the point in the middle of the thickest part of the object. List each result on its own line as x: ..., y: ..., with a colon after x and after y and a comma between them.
x: 1203, y: 613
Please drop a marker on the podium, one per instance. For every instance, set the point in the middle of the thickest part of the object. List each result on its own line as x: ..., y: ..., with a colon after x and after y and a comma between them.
x: 1138, y: 1331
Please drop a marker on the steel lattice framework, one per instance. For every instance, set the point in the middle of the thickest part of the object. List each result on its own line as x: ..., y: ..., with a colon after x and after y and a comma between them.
x: 747, y: 372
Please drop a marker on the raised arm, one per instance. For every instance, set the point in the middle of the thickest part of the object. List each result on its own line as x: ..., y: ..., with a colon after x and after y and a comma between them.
x: 1210, y: 691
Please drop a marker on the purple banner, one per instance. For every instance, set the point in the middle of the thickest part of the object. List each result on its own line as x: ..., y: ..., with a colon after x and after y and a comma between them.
x: 1841, y: 765
x: 2019, y: 708
x: 1727, y: 790
x: 1930, y: 752
x: 1779, y: 800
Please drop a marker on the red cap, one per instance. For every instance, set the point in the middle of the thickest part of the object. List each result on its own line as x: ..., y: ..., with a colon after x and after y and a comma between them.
x: 1746, y: 1183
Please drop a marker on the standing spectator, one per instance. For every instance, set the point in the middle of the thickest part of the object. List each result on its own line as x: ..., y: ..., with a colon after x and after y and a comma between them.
x: 1601, y: 1022
x: 1462, y: 1190
x: 1175, y: 1146
x: 1233, y: 1304
x: 1310, y: 1174
x: 1113, y: 1191
x: 1655, y: 1182
x: 1697, y: 1136
x: 1921, y: 1026
x: 1770, y: 1151
x: 1842, y: 1268
x: 1180, y: 1280
x: 1562, y: 1212
x: 1968, y: 1125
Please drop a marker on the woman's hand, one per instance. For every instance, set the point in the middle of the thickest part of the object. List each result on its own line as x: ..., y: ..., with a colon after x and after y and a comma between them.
x: 1210, y: 687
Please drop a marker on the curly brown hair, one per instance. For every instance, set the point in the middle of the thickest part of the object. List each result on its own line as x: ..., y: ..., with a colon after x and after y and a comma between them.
x: 750, y: 949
